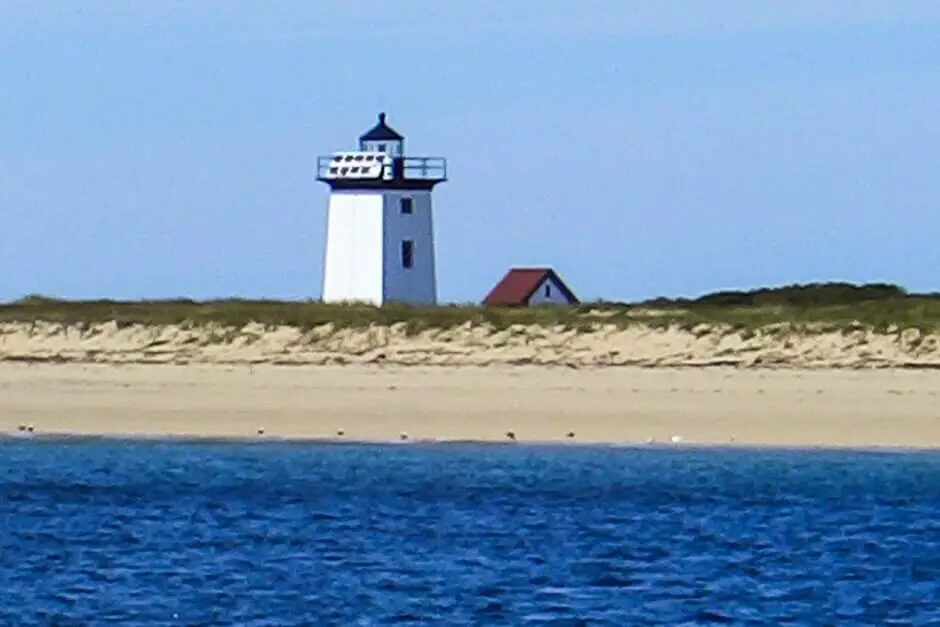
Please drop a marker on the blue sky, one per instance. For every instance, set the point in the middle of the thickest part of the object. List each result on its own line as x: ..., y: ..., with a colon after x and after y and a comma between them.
x: 167, y: 148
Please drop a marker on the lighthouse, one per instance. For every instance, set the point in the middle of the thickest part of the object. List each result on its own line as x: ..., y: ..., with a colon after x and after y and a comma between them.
x: 380, y: 230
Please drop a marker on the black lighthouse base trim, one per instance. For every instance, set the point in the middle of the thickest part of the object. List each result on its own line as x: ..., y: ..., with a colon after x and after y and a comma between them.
x: 424, y: 185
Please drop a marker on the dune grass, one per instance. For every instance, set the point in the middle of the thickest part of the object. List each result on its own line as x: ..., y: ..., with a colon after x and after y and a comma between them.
x: 823, y: 307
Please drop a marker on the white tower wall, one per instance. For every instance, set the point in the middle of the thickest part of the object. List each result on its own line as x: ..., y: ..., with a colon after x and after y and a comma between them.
x: 366, y: 233
x: 417, y: 284
x: 352, y: 265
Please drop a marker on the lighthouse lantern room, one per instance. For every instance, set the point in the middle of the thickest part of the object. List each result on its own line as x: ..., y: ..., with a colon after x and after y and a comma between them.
x: 379, y: 231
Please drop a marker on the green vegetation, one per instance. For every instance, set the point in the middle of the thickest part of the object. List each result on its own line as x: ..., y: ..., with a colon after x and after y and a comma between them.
x: 830, y: 306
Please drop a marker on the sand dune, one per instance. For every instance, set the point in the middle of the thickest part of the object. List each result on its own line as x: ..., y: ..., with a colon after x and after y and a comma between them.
x: 605, y: 345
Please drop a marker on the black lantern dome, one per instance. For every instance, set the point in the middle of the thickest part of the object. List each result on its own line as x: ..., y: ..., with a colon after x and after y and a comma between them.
x: 382, y: 138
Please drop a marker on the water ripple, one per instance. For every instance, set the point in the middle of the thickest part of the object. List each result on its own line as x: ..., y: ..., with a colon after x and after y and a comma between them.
x: 116, y: 533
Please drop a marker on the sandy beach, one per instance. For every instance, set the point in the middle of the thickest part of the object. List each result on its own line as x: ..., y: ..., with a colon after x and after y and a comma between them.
x: 864, y: 408
x: 632, y: 385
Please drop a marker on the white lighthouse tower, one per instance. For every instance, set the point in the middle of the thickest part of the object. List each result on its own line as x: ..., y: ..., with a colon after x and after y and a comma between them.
x: 380, y: 231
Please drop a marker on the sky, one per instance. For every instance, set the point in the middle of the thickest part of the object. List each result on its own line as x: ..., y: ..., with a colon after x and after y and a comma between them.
x: 167, y: 148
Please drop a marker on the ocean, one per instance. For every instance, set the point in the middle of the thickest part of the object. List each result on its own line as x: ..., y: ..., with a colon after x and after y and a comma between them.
x: 111, y: 532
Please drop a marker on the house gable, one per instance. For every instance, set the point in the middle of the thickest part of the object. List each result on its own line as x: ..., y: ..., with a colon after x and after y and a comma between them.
x: 550, y: 291
x: 531, y: 286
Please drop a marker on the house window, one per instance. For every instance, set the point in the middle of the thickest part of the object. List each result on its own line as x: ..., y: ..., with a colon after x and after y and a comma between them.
x: 548, y: 290
x: 407, y: 205
x: 407, y: 253
x: 381, y: 147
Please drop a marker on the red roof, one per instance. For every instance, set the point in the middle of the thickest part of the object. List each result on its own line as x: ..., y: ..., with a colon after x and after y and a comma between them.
x: 519, y: 284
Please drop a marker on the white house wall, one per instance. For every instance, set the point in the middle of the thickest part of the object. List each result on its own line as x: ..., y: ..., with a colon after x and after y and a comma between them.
x: 352, y: 269
x: 418, y: 284
x: 555, y: 296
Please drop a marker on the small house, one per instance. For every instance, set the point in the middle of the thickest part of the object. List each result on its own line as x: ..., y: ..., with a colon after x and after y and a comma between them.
x: 524, y: 287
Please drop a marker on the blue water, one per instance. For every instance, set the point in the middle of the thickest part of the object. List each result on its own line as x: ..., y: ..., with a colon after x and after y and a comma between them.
x: 275, y: 534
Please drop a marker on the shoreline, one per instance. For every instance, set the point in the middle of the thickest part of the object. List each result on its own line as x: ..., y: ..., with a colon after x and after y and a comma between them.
x: 445, y: 405
x: 210, y: 440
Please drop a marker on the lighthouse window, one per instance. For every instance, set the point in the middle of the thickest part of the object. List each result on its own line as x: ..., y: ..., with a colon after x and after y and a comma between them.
x: 407, y: 205
x: 407, y: 253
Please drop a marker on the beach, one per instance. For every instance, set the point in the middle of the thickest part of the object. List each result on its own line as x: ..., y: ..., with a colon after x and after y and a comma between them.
x: 613, y: 385
x: 629, y: 405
